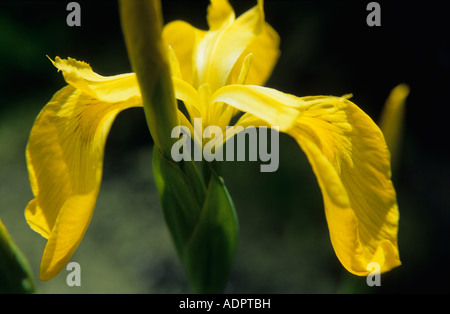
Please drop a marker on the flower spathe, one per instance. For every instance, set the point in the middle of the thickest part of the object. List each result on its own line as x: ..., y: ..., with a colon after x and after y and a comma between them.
x: 217, y: 74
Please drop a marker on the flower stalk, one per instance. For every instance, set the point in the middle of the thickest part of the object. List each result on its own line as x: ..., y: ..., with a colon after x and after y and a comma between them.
x: 198, y: 210
x: 142, y: 27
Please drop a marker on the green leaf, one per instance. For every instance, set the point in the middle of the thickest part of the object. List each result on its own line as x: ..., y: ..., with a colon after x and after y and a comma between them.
x: 15, y: 272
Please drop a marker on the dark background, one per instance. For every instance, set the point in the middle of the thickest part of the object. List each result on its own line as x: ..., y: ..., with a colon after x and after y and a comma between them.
x: 327, y: 48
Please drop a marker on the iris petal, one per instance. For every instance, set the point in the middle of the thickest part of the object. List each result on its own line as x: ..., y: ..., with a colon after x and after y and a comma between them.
x: 216, y: 56
x: 65, y: 159
x: 265, y: 53
x: 106, y: 88
x: 391, y: 122
x: 218, y: 51
x: 353, y: 170
x: 275, y: 107
x: 350, y: 159
x: 220, y: 14
x: 182, y: 38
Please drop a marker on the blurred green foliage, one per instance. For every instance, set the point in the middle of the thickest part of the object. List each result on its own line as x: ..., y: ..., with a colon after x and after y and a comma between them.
x: 284, y: 245
x: 15, y: 272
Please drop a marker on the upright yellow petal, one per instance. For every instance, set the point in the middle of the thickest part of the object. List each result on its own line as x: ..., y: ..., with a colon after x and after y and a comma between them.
x: 218, y: 51
x: 349, y: 156
x: 65, y: 158
x: 211, y: 57
x: 265, y: 53
x: 182, y: 38
x: 220, y: 13
x: 391, y: 122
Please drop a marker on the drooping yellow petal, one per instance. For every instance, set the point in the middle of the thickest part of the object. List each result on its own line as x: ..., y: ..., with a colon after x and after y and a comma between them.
x: 105, y: 88
x: 275, y: 107
x: 350, y: 159
x: 65, y: 159
x: 349, y: 156
x: 67, y: 233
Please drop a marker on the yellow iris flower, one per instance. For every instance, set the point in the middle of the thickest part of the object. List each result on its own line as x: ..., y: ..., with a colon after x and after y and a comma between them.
x: 216, y: 74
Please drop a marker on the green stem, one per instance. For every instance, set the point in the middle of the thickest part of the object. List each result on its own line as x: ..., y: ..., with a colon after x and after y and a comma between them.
x: 16, y: 275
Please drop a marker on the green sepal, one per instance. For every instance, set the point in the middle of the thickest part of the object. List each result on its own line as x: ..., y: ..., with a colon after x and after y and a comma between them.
x: 15, y: 273
x: 181, y: 193
x: 209, y: 254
